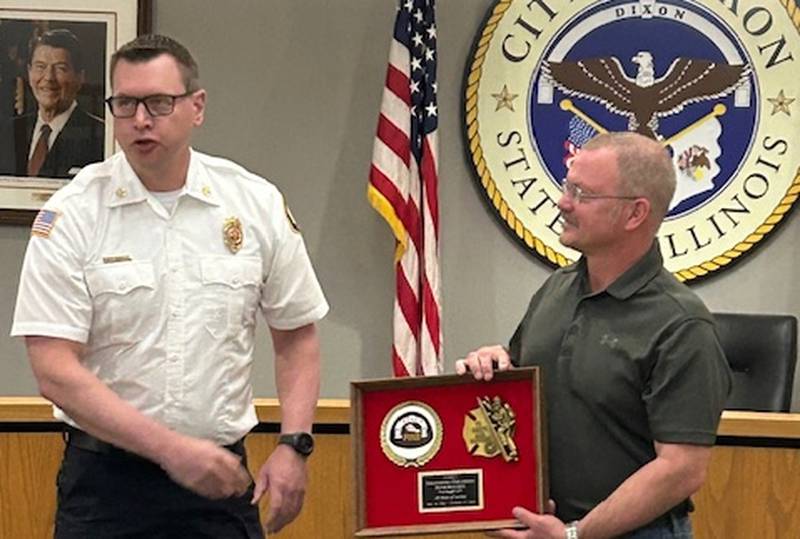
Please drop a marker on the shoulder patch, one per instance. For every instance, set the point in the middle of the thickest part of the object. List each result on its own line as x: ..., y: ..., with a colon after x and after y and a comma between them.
x: 44, y: 223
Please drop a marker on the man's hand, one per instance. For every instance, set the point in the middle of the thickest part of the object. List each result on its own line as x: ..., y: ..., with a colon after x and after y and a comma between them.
x: 484, y: 361
x: 539, y: 526
x: 284, y: 477
x: 206, y: 469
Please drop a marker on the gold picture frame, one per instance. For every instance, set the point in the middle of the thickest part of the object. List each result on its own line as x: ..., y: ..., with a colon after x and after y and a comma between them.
x: 100, y: 27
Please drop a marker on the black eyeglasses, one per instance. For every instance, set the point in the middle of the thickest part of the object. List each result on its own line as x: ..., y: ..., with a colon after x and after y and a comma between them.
x: 576, y: 193
x: 123, y: 106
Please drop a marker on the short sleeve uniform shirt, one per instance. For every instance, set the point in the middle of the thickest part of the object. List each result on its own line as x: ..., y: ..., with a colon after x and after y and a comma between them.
x: 166, y: 302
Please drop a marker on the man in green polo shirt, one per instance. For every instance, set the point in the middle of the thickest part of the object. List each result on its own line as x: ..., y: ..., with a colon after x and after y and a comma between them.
x: 634, y: 377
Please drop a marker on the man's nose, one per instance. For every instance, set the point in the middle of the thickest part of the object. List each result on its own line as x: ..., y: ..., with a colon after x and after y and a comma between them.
x: 564, y: 202
x: 142, y: 118
x: 50, y: 73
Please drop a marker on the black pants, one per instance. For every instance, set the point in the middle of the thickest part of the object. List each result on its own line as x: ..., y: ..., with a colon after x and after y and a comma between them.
x: 118, y: 495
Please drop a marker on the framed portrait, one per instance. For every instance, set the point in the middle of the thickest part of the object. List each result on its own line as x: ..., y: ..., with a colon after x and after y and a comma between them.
x: 54, y: 78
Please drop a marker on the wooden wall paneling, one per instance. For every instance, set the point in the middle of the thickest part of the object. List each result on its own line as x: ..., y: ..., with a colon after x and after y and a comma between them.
x: 28, y: 467
x: 750, y: 492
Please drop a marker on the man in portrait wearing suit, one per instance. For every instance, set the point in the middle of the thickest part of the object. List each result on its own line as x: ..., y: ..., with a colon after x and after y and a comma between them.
x: 60, y: 137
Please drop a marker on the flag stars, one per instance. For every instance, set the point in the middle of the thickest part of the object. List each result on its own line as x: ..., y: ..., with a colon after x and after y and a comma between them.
x: 418, y: 15
x: 429, y: 54
x: 432, y: 32
x: 417, y: 39
x: 416, y: 64
x: 408, y: 5
x: 414, y: 86
x: 431, y: 109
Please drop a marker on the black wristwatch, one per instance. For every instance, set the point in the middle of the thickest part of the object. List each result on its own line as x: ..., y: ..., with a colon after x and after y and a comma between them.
x: 302, y: 442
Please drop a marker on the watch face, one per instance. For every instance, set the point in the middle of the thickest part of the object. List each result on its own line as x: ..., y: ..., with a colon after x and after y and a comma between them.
x: 304, y: 443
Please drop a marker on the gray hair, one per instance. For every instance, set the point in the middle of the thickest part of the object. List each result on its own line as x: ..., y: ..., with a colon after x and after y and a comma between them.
x: 645, y: 167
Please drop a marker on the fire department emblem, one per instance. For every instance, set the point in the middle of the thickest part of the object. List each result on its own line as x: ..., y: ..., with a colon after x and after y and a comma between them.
x: 714, y: 82
x: 411, y: 434
x: 489, y: 429
x: 232, y: 234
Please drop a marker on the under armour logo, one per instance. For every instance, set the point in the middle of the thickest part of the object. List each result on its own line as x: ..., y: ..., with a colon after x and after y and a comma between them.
x: 609, y: 340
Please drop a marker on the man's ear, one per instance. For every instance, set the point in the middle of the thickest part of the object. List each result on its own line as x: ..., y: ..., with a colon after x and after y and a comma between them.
x: 637, y: 213
x: 199, y: 105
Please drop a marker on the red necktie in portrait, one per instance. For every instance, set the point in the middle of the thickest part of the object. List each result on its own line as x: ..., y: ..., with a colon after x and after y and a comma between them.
x: 40, y: 152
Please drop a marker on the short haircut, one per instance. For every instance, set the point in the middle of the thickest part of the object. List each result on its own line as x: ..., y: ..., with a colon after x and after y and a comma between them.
x: 61, y: 38
x: 645, y: 167
x: 146, y: 47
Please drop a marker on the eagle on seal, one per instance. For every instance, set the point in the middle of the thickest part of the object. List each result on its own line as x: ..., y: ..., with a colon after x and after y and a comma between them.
x: 645, y: 98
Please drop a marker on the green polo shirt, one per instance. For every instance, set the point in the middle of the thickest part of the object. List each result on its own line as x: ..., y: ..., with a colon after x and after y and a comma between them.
x: 635, y: 363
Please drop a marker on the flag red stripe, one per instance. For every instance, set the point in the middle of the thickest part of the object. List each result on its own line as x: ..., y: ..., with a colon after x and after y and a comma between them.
x: 397, y: 82
x: 387, y: 188
x: 431, y: 315
x: 398, y: 367
x: 394, y: 138
x: 428, y: 173
x: 411, y: 220
x: 407, y: 301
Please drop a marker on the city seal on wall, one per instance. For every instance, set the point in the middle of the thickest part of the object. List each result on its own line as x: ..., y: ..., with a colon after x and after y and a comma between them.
x: 715, y: 82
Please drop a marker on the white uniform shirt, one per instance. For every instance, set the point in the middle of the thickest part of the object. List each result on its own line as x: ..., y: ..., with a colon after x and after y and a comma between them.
x: 166, y: 308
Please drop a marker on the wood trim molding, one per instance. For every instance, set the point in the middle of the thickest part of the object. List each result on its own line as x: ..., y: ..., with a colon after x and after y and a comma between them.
x: 38, y: 409
x: 337, y: 412
x: 759, y: 424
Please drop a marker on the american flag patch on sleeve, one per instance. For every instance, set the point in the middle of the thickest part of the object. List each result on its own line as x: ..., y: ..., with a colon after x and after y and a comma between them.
x: 44, y: 222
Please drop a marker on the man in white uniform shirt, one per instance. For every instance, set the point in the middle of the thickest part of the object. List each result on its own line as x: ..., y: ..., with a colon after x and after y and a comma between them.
x: 138, y: 300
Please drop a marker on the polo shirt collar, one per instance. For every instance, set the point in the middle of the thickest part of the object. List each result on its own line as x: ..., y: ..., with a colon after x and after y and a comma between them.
x: 638, y: 275
x: 127, y: 188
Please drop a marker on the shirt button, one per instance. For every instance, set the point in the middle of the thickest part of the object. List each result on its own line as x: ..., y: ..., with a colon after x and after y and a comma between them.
x: 235, y: 280
x: 175, y: 314
x: 123, y: 285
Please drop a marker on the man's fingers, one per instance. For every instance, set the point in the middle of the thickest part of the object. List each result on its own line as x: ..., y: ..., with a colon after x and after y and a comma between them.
x: 277, y: 516
x: 260, y: 489
x: 244, y: 481
x: 461, y: 367
x: 523, y: 515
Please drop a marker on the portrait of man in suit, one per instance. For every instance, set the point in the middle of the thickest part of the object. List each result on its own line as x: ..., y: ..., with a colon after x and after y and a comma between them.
x: 59, y: 136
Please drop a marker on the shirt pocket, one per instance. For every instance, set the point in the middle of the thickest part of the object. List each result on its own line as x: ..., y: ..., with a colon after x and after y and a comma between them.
x: 122, y: 298
x: 230, y: 289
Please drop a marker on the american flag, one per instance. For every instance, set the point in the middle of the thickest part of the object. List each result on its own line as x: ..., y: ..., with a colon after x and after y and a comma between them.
x: 580, y: 133
x: 44, y: 222
x: 403, y: 187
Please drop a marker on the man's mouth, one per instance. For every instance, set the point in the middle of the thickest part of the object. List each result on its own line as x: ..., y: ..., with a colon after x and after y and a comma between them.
x: 145, y: 144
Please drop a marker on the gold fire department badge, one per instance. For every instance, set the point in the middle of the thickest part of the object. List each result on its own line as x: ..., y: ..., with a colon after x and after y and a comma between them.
x: 489, y: 429
x: 232, y: 234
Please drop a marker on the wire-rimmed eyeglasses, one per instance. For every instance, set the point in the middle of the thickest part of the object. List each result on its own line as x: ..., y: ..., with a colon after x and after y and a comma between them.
x: 123, y: 106
x: 576, y: 193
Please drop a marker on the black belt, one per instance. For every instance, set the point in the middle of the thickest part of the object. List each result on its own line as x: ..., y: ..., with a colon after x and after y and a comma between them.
x: 84, y: 440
